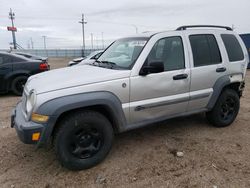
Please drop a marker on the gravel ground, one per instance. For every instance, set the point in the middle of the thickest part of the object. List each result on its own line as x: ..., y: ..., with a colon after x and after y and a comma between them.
x: 212, y: 157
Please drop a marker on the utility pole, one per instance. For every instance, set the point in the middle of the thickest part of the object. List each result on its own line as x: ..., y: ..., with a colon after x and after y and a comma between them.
x: 12, y: 17
x: 44, y: 42
x: 97, y: 47
x: 28, y: 44
x: 92, y: 45
x: 32, y: 43
x: 83, y: 37
x: 102, y: 41
x: 136, y: 28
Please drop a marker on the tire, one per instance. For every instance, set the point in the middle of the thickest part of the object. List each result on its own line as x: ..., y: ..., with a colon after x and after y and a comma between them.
x: 17, y: 85
x: 225, y: 110
x: 83, y: 140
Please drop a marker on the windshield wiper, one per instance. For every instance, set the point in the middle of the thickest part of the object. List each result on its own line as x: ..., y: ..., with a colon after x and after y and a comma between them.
x: 109, y: 63
x: 112, y: 64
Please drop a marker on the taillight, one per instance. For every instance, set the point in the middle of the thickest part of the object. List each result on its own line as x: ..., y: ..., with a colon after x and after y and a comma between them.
x: 43, y: 66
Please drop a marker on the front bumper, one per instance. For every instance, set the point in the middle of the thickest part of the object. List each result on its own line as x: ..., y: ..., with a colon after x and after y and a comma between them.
x: 24, y: 128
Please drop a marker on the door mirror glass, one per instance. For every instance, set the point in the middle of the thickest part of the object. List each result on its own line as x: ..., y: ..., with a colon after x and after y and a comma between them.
x: 153, y: 67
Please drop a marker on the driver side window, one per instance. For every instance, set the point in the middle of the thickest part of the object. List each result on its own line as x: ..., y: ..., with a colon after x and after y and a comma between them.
x: 170, y: 52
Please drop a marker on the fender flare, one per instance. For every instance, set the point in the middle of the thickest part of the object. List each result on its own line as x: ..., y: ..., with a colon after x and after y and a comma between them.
x: 55, y: 107
x: 15, y: 73
x: 219, y: 85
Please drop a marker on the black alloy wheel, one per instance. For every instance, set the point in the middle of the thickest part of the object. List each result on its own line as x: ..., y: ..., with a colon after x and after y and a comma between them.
x: 228, y: 108
x: 85, y: 142
x: 225, y: 110
x: 83, y: 139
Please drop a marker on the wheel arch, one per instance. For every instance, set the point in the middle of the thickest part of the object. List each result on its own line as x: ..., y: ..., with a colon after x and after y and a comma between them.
x: 102, y: 109
x: 220, y: 85
x: 10, y: 77
x: 105, y: 103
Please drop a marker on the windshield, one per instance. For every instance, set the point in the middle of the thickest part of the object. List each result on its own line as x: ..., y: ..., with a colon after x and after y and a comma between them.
x: 92, y: 54
x: 124, y: 52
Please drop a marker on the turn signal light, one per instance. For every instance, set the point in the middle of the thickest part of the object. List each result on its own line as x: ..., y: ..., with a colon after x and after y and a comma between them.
x: 35, y: 136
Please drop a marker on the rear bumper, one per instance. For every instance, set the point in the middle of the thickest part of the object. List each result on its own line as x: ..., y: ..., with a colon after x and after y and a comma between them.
x: 24, y: 128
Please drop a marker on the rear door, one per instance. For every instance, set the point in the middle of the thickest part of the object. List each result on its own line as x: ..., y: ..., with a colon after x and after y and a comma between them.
x: 5, y: 69
x: 207, y: 65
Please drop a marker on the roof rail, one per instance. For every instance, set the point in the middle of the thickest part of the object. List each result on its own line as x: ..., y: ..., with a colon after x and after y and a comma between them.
x: 195, y: 26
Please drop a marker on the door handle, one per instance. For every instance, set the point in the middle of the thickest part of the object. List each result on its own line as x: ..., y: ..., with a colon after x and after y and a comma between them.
x: 180, y: 76
x: 221, y: 69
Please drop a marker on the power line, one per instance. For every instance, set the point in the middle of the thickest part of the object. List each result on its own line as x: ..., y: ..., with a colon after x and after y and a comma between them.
x: 73, y: 18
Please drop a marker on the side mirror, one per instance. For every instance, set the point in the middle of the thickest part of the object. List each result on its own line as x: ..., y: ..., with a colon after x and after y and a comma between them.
x: 153, y: 67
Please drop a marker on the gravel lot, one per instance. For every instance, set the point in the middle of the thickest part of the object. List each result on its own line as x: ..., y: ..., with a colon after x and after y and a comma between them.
x: 141, y: 158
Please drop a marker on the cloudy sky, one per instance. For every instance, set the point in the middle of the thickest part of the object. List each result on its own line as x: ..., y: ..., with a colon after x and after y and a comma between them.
x: 58, y: 19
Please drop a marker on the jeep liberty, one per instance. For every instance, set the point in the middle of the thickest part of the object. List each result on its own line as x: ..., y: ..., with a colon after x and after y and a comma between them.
x: 138, y: 80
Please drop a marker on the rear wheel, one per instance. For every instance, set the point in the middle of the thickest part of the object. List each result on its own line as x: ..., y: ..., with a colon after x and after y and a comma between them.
x: 18, y: 84
x: 225, y: 109
x: 83, y: 140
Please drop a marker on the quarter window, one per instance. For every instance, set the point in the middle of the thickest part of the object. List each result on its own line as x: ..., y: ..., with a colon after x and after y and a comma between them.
x: 234, y: 50
x: 205, y: 50
x: 170, y: 52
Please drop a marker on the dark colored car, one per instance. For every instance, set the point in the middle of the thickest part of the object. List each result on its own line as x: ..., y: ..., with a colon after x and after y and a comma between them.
x: 31, y: 56
x: 15, y: 70
x: 246, y: 40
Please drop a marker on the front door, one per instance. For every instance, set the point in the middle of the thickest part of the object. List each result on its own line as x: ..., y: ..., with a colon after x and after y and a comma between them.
x: 159, y: 95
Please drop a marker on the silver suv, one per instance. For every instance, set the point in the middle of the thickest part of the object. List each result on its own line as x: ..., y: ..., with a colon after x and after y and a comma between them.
x: 138, y: 80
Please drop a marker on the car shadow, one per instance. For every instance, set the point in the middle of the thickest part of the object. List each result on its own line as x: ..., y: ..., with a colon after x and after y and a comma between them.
x: 178, y: 129
x: 9, y: 94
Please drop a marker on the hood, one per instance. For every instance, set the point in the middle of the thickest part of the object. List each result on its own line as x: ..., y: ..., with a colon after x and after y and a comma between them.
x: 72, y: 76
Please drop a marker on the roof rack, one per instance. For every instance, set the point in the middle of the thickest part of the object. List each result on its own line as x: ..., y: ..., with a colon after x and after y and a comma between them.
x: 195, y: 26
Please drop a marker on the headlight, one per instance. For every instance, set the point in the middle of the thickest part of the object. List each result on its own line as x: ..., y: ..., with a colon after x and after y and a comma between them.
x: 30, y: 102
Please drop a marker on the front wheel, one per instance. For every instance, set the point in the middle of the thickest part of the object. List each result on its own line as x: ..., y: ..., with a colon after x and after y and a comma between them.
x: 83, y: 140
x: 225, y: 110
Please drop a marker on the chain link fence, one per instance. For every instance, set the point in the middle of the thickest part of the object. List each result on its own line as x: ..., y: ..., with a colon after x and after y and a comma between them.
x: 57, y: 52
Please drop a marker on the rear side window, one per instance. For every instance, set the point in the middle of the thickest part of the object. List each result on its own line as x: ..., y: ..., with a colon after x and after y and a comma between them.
x: 205, y: 50
x: 234, y: 50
